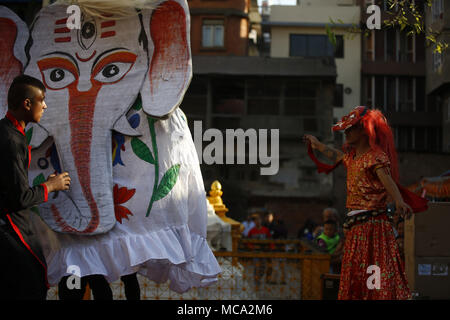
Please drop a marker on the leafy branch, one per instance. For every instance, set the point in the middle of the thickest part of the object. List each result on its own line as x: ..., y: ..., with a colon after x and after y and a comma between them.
x: 170, y: 177
x: 404, y: 14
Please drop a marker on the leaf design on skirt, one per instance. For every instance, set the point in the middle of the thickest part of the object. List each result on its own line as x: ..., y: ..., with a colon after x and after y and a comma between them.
x: 167, y: 182
x: 142, y: 150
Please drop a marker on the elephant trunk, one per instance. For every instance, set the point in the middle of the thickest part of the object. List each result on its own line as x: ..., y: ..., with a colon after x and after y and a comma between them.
x: 81, y: 115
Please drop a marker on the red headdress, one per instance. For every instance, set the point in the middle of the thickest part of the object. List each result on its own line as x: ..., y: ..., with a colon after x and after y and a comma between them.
x: 377, y: 129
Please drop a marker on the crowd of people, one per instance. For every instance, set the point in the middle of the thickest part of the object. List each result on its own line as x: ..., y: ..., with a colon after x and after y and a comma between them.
x: 327, y: 235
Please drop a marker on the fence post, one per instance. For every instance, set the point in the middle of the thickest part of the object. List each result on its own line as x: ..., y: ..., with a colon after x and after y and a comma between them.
x: 312, y: 268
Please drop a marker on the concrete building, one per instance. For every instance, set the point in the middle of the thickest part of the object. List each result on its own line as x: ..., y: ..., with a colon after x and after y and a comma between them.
x: 300, y: 31
x: 220, y: 27
x: 400, y: 78
x: 438, y: 72
x: 237, y: 86
x: 290, y: 95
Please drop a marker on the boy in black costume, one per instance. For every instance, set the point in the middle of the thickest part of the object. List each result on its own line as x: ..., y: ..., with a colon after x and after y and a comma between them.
x: 23, y: 273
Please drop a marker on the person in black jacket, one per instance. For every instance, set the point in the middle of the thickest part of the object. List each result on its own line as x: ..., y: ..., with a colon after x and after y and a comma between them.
x: 23, y: 273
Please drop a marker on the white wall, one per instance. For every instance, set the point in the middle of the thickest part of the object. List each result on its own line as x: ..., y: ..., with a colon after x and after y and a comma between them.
x: 349, y: 67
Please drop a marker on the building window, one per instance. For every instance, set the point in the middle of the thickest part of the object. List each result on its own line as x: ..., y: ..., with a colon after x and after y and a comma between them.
x: 380, y: 92
x: 437, y: 61
x: 213, y: 33
x: 195, y: 100
x: 390, y: 53
x: 368, y: 91
x: 448, y: 110
x: 406, y: 94
x: 263, y: 96
x: 391, y: 93
x: 418, y: 138
x: 339, y: 49
x: 300, y: 98
x: 394, y: 94
x: 437, y: 10
x: 420, y: 94
x: 405, y: 138
x: 307, y: 45
x: 338, y: 96
x: 369, y: 47
x: 406, y: 47
x: 398, y: 46
x: 228, y: 96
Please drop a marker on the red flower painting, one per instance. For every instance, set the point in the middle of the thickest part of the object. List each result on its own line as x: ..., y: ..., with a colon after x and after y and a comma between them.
x: 122, y: 195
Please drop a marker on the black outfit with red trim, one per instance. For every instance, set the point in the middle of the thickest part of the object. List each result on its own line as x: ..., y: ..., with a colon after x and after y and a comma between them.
x: 23, y: 271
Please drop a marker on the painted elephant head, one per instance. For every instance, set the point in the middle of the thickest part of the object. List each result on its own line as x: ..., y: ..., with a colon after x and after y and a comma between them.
x: 93, y: 75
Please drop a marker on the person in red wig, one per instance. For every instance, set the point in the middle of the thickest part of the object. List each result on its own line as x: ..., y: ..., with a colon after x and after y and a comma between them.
x: 372, y: 182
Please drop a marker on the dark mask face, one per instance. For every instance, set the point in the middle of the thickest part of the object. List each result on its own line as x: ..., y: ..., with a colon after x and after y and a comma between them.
x: 353, y: 134
x: 351, y: 119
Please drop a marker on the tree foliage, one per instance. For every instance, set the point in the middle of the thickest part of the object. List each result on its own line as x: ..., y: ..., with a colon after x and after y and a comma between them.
x: 403, y: 14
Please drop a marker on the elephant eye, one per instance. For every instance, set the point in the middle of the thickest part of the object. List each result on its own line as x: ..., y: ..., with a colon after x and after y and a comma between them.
x: 58, y: 78
x: 113, y: 72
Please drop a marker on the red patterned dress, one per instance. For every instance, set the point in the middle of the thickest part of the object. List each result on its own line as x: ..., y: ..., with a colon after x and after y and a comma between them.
x: 370, y: 239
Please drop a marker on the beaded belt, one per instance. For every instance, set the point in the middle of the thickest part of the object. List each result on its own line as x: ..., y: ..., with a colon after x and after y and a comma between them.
x: 364, y: 216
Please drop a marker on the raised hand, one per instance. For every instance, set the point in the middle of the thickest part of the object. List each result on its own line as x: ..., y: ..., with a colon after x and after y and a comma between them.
x: 315, y: 143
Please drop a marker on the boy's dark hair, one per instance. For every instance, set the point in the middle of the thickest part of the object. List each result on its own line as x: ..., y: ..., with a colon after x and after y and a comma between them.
x: 21, y: 89
x: 332, y: 222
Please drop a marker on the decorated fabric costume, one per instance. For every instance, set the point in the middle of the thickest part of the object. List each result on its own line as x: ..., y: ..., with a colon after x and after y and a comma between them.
x: 370, y: 239
x: 137, y: 200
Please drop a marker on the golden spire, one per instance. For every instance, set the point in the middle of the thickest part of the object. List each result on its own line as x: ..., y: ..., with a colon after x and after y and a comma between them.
x: 215, y: 199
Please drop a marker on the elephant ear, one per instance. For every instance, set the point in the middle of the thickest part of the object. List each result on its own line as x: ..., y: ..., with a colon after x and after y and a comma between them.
x: 170, y: 63
x: 13, y: 37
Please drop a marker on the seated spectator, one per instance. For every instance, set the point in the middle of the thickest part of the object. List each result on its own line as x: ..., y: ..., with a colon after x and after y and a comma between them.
x: 333, y: 244
x: 279, y: 230
x: 329, y: 239
x: 259, y: 231
x: 269, y: 222
x: 248, y: 225
x: 330, y: 214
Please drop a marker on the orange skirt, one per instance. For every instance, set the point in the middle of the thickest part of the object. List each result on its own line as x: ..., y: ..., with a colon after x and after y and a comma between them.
x: 372, y: 243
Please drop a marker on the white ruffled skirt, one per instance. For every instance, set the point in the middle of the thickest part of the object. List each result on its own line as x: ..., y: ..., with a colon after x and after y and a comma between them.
x: 168, y: 244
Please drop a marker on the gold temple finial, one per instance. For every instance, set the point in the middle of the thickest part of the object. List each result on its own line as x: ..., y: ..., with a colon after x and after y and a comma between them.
x: 215, y: 198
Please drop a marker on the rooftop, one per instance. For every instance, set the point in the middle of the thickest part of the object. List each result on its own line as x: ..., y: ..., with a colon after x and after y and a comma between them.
x: 264, y: 66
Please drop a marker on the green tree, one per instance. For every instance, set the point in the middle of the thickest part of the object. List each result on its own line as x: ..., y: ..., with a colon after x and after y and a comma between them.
x: 404, y: 14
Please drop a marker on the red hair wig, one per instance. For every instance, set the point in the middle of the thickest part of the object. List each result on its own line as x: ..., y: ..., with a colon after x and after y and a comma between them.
x: 381, y: 137
x: 380, y: 134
